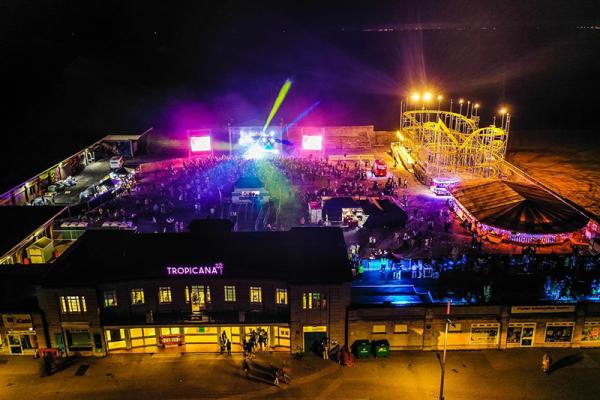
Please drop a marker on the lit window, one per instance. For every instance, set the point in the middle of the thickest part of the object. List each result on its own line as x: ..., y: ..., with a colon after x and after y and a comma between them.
x: 255, y: 294
x: 229, y: 293
x: 197, y: 290
x: 164, y: 294
x: 400, y: 328
x: 312, y: 301
x: 137, y: 296
x: 110, y: 298
x: 378, y: 329
x: 281, y: 296
x: 72, y: 304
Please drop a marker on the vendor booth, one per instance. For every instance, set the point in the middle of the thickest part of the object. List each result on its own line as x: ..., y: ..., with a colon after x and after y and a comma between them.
x: 249, y: 189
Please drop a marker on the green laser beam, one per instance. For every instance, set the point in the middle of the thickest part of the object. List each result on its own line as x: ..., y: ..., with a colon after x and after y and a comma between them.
x: 280, y: 97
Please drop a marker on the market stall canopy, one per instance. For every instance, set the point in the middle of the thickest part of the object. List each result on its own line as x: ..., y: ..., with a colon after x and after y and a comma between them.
x: 517, y: 207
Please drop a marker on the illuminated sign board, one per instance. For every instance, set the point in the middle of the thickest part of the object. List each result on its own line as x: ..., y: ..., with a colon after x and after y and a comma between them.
x: 195, y: 270
x: 200, y: 143
x: 312, y: 142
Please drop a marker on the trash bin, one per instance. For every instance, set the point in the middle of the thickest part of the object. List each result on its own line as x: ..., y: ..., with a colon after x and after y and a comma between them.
x: 381, y: 348
x: 362, y: 348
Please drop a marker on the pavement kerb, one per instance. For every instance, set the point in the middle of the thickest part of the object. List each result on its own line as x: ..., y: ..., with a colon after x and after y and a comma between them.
x: 295, y: 382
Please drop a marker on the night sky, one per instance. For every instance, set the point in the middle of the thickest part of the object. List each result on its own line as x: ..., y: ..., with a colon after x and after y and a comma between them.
x: 75, y: 71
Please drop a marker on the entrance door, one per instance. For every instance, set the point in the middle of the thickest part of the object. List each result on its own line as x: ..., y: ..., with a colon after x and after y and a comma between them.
x: 14, y: 342
x: 527, y: 336
x: 198, y: 299
x: 59, y: 339
x: 313, y: 340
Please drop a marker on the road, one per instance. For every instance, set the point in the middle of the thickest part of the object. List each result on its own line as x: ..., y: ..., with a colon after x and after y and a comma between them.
x: 505, y: 375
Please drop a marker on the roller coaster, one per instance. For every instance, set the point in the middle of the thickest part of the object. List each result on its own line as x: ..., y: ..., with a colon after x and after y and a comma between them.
x: 442, y: 144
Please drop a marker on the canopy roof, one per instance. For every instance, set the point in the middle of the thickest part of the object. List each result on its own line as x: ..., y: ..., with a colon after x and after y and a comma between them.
x: 517, y: 207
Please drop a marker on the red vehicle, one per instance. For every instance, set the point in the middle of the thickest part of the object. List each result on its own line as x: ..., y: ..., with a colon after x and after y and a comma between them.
x: 379, y: 169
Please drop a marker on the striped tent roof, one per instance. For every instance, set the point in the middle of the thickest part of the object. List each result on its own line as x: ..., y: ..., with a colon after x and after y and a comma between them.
x: 517, y: 207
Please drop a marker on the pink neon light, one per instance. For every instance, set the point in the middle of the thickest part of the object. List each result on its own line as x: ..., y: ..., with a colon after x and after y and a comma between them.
x: 200, y: 143
x: 216, y: 269
x: 312, y: 142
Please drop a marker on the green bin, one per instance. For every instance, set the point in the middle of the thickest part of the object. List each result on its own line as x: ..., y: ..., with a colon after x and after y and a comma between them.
x: 381, y: 348
x: 362, y: 348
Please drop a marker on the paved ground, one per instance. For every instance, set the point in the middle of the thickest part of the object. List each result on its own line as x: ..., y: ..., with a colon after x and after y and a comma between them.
x: 92, y: 174
x: 572, y: 172
x: 505, y: 375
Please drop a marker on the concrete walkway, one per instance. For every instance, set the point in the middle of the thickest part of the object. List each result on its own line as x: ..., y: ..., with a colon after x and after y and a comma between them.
x: 506, y: 375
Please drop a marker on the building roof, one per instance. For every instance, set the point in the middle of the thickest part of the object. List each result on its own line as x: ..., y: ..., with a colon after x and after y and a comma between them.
x: 19, y: 222
x: 122, y: 137
x: 517, y: 207
x: 381, y: 212
x: 18, y: 287
x: 300, y: 255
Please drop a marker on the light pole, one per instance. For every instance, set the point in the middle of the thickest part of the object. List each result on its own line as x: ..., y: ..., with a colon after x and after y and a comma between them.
x: 503, y: 113
x: 461, y: 101
x: 476, y: 107
x: 439, y: 98
x: 448, y: 322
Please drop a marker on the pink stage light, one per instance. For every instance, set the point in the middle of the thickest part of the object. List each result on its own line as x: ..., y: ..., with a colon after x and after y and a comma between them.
x: 200, y: 143
x: 312, y: 142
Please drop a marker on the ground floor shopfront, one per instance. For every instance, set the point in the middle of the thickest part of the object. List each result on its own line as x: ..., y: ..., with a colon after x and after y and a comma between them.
x: 192, y: 338
x: 477, y: 328
x: 21, y: 334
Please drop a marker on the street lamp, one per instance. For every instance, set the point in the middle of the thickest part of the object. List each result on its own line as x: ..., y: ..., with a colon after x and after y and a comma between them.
x: 503, y: 112
x: 415, y: 98
x: 476, y: 107
x: 460, y: 101
x: 448, y: 322
x: 443, y: 364
x: 439, y: 99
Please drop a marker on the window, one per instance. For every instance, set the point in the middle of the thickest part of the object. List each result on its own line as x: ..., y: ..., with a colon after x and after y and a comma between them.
x: 110, y: 298
x: 137, y: 296
x: 230, y: 293
x: 195, y: 290
x: 281, y: 297
x: 378, y: 329
x: 591, y: 331
x: 561, y: 332
x: 400, y: 328
x: 255, y: 294
x: 312, y: 301
x: 454, y: 328
x: 521, y: 334
x: 164, y: 294
x: 484, y: 333
x: 72, y: 304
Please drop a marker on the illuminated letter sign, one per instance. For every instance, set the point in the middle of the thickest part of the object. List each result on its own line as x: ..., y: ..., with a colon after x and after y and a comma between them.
x: 193, y: 270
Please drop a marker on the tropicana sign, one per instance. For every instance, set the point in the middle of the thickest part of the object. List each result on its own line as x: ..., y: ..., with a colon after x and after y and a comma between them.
x: 216, y: 269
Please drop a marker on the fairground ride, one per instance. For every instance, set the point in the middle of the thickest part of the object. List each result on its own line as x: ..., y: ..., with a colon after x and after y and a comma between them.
x: 438, y: 145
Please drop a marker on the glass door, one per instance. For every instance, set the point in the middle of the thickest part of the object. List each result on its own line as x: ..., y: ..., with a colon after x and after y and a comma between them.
x: 14, y: 342
x: 527, y: 335
x: 198, y: 299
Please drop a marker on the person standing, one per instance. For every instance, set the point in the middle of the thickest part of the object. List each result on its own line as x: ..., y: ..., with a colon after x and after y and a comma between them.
x: 228, y: 347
